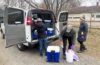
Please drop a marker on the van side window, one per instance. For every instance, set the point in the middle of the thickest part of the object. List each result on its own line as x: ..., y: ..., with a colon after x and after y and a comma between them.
x: 1, y: 19
x: 15, y: 17
x: 63, y: 17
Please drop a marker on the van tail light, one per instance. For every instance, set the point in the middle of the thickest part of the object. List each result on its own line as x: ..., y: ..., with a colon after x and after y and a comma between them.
x: 29, y: 19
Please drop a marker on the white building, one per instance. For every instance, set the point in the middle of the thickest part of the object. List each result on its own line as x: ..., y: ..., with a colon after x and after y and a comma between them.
x: 91, y: 13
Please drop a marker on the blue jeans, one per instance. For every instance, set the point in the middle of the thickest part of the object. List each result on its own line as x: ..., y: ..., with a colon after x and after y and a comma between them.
x: 43, y: 45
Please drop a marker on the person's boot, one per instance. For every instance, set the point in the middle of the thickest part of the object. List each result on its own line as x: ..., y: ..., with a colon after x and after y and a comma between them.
x: 41, y: 54
x: 64, y: 57
x: 84, y: 48
x: 45, y: 53
x: 80, y: 51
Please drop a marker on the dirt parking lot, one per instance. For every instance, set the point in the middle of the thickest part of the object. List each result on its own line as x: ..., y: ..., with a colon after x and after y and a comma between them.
x: 12, y: 56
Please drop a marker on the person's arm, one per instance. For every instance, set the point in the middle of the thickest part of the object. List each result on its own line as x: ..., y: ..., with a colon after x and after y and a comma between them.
x: 85, y: 31
x: 46, y: 27
x: 63, y: 30
x: 34, y: 28
x: 86, y: 28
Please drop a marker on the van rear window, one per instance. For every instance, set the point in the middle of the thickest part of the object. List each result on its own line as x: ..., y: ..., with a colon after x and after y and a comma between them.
x: 44, y: 16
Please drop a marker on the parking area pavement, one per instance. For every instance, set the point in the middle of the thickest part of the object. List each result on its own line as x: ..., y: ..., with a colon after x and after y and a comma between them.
x: 12, y: 56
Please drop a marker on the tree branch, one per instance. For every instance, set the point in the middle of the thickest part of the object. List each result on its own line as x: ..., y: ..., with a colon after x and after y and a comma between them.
x: 35, y: 4
x: 45, y: 4
x: 57, y: 3
x: 30, y: 4
x: 62, y: 3
x: 52, y: 4
x: 48, y: 3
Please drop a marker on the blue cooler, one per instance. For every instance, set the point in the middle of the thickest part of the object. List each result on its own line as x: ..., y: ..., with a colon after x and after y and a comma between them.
x: 34, y: 35
x: 50, y: 32
x: 53, y: 54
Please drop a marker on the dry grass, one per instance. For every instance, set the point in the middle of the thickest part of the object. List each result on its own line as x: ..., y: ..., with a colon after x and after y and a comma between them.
x: 92, y: 43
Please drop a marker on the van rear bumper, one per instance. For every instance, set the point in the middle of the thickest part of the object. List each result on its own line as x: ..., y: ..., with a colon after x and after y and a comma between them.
x: 55, y: 37
x: 49, y: 38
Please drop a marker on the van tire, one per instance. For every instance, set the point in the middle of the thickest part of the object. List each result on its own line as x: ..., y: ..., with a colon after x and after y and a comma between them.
x: 3, y: 36
x: 21, y: 47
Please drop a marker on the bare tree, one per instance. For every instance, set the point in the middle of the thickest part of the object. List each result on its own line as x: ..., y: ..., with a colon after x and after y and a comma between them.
x: 21, y: 3
x: 11, y: 3
x: 54, y: 5
x: 31, y: 3
x: 7, y: 2
x: 57, y: 5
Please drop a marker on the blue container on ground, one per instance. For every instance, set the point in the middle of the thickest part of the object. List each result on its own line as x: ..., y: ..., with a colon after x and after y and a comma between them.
x: 53, y: 54
x: 34, y: 35
x: 50, y: 32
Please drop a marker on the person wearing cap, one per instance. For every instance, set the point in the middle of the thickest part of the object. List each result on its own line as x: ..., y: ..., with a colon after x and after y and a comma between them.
x: 82, y: 34
x: 42, y: 37
x: 68, y: 34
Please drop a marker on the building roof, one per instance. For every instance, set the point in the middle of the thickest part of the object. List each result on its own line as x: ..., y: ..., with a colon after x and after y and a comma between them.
x: 91, y: 9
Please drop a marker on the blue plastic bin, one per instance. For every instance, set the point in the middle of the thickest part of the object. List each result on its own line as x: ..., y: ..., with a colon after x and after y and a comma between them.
x: 34, y: 35
x: 50, y: 32
x: 53, y: 54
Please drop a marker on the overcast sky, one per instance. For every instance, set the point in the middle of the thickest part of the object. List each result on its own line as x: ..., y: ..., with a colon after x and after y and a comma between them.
x: 1, y: 2
x: 84, y: 2
x: 89, y: 2
x: 38, y: 1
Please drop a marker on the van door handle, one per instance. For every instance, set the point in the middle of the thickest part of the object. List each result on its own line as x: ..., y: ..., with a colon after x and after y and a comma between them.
x: 64, y: 24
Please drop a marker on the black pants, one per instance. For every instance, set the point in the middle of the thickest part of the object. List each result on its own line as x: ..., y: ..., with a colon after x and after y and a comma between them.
x: 65, y: 43
x: 82, y: 46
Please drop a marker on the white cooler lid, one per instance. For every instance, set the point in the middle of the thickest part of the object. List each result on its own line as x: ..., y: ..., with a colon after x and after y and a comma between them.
x: 51, y: 29
x: 53, y: 48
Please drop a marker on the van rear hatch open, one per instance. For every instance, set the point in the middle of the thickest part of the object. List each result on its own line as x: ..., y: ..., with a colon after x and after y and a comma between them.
x: 49, y: 20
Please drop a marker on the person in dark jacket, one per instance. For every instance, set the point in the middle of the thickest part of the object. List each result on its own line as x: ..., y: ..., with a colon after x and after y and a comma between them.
x: 42, y: 37
x: 82, y: 34
x: 68, y: 34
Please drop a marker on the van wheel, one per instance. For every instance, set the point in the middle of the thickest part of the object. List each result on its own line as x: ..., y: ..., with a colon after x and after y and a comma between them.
x: 3, y: 36
x: 21, y: 47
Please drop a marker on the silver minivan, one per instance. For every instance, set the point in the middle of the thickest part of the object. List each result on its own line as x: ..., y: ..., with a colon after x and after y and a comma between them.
x: 18, y: 28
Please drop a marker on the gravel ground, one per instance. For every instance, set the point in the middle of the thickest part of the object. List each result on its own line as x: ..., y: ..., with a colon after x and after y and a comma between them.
x: 12, y: 56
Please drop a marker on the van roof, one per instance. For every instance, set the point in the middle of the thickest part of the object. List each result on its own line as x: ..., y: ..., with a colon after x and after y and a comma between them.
x: 32, y: 9
x: 41, y: 10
